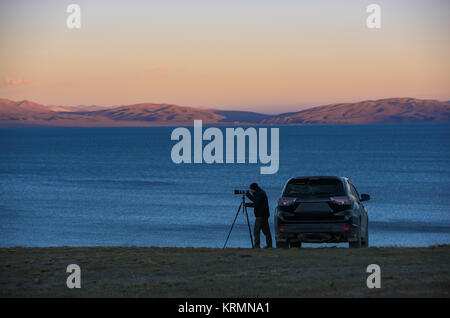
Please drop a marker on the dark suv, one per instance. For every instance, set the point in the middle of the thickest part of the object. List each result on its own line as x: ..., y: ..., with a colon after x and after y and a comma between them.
x: 321, y: 210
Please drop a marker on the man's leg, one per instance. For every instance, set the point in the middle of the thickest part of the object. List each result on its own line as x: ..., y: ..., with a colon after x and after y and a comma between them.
x: 266, y: 231
x: 256, y: 231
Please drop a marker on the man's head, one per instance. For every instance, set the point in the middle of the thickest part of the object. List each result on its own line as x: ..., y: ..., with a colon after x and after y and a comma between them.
x: 253, y: 187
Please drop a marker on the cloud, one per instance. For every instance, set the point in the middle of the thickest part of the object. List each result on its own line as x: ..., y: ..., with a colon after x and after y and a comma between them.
x: 160, y: 69
x: 10, y: 81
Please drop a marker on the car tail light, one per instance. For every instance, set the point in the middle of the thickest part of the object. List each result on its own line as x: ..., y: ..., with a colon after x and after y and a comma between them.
x: 282, y: 228
x: 346, y: 227
x: 341, y: 200
x: 286, y: 201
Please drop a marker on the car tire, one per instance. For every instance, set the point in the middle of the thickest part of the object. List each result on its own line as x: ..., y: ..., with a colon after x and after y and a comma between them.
x: 357, y: 243
x: 365, y: 242
x: 282, y: 244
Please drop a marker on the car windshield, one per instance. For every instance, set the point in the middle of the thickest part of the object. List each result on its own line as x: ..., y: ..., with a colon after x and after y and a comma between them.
x: 303, y: 188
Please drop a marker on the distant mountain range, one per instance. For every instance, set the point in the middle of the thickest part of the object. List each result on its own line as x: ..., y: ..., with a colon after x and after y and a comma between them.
x: 389, y: 110
x: 382, y: 111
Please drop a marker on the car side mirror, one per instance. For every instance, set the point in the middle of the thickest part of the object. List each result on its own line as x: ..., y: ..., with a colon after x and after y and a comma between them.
x: 365, y: 197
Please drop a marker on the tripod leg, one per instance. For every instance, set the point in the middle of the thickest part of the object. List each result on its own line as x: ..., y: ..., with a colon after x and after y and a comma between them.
x: 249, y: 228
x: 232, y: 225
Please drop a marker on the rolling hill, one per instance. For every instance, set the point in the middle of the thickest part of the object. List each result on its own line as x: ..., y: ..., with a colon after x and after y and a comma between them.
x: 79, y: 108
x: 390, y: 110
x: 382, y: 111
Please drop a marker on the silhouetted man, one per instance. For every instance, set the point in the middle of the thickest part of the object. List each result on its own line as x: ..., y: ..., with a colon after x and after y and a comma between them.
x: 261, y: 210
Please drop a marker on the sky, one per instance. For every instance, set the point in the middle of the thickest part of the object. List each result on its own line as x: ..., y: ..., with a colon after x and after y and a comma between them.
x: 265, y: 56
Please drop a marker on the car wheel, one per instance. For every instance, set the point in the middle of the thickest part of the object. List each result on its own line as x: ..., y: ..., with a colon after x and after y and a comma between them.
x: 365, y: 242
x: 282, y: 244
x: 357, y: 243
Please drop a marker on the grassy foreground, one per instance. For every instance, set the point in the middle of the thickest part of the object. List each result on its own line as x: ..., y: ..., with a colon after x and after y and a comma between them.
x: 208, y: 272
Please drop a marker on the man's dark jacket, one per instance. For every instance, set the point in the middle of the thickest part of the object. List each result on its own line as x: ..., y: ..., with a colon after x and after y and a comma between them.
x: 260, y: 203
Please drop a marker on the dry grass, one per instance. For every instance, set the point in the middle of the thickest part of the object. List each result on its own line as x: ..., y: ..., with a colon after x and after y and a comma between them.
x: 207, y: 272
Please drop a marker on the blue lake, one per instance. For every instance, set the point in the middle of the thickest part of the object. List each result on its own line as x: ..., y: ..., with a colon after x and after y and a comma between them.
x: 119, y: 186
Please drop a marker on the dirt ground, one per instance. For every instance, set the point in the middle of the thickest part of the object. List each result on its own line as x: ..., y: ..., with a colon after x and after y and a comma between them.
x: 209, y: 272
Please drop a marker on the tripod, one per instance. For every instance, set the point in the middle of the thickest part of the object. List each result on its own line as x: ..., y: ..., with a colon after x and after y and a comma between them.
x: 244, y: 210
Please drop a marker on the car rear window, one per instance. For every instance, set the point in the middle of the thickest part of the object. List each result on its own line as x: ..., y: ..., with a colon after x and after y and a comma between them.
x: 302, y: 188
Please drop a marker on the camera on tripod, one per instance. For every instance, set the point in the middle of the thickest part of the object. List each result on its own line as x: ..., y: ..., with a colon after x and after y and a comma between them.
x: 244, y: 211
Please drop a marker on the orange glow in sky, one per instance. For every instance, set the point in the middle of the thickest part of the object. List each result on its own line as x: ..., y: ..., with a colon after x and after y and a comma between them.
x: 266, y: 56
